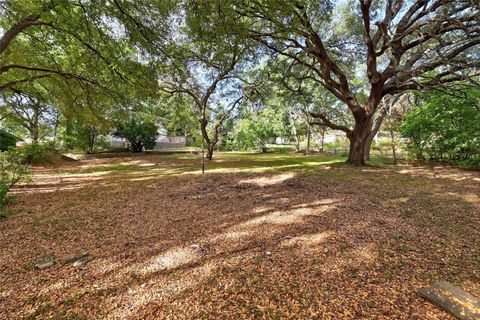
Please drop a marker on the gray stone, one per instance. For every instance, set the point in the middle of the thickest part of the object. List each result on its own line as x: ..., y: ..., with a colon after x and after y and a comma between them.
x: 45, y: 261
x: 80, y: 260
x: 452, y: 299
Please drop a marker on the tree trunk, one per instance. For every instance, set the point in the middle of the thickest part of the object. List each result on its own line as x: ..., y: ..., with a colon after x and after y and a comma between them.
x: 297, y: 143
x: 34, y: 125
x: 307, y: 151
x: 263, y: 146
x: 368, y: 145
x: 358, y: 139
x: 206, y: 139
x: 320, y: 137
x: 296, y: 139
x: 394, y: 151
x: 136, y: 146
x: 91, y: 142
x: 375, y: 128
x: 356, y: 155
x: 34, y: 134
x: 322, y: 140
x: 203, y: 157
x: 295, y: 132
x: 210, y: 148
x: 386, y: 105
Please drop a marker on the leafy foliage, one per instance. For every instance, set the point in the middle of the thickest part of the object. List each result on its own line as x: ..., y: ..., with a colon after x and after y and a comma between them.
x: 72, y: 57
x: 14, y: 166
x: 83, y: 133
x: 445, y: 127
x: 28, y: 113
x: 254, y: 130
x: 329, y: 62
x: 36, y: 153
x: 140, y: 134
x: 3, y: 198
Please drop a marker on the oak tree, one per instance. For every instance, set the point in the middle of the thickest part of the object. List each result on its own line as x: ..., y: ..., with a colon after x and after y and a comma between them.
x: 402, y: 45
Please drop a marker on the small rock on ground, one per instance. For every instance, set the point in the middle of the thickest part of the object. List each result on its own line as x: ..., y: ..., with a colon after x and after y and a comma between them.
x: 80, y: 260
x: 45, y: 261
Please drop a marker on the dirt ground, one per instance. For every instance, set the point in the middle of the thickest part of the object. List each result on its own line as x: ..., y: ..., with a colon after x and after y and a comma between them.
x: 258, y: 236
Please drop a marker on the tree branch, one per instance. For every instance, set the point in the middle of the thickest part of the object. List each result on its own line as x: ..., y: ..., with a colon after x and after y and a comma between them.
x: 328, y: 123
x: 10, y: 34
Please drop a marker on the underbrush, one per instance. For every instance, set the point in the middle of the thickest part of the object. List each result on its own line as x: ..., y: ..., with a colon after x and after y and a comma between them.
x: 470, y: 164
x: 15, y: 167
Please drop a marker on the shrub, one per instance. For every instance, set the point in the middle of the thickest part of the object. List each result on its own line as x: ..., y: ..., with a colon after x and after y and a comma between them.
x: 444, y: 128
x: 340, y: 147
x: 3, y: 198
x: 470, y: 164
x: 140, y: 134
x: 36, y: 153
x: 14, y: 167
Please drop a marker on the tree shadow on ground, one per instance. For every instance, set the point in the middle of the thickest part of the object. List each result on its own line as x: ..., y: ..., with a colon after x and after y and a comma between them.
x: 339, y: 242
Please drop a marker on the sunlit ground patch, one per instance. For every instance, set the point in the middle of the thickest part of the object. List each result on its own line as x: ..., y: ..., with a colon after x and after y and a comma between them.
x: 171, y: 259
x: 308, y: 240
x: 291, y: 216
x: 268, y: 180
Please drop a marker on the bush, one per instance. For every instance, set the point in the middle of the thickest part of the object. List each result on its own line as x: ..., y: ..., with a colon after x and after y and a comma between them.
x: 140, y: 134
x: 36, y: 153
x: 14, y: 167
x: 444, y: 128
x: 84, y: 133
x: 470, y: 164
x: 4, y: 199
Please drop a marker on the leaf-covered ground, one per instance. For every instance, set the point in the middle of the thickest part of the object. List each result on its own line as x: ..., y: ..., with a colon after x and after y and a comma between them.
x: 258, y: 236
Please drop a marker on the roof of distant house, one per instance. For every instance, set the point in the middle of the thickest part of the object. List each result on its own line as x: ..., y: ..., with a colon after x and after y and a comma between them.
x: 3, y: 132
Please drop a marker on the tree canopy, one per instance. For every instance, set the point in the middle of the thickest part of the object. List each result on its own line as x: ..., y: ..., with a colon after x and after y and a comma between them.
x: 332, y: 62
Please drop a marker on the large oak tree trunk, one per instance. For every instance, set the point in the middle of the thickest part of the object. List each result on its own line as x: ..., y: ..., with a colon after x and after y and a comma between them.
x: 358, y: 140
x: 356, y: 155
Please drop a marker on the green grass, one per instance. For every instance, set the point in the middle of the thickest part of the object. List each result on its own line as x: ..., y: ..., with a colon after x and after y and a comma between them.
x: 159, y: 164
